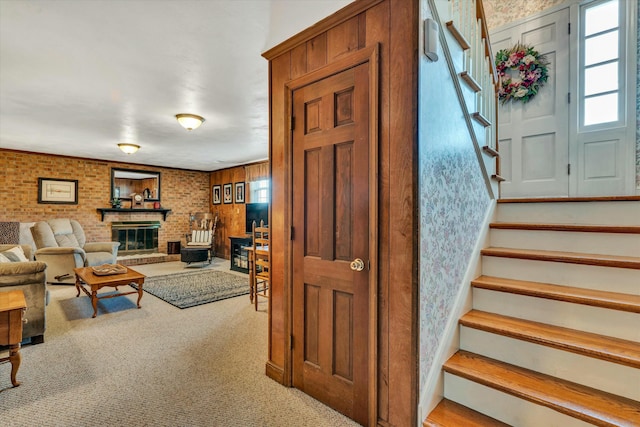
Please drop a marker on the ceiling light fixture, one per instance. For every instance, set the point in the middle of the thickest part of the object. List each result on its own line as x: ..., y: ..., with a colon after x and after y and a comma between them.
x: 189, y: 121
x: 128, y: 148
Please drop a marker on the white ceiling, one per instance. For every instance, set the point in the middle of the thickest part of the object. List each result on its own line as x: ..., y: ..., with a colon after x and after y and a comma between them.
x: 79, y: 76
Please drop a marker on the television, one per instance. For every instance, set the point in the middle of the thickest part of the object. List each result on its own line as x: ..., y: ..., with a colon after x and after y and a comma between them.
x: 257, y: 212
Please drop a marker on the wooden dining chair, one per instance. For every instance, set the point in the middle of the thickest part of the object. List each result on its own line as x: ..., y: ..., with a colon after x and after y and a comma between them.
x: 261, y: 265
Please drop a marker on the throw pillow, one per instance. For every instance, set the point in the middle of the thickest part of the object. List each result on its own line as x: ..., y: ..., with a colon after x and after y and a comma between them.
x: 4, y: 259
x: 15, y: 254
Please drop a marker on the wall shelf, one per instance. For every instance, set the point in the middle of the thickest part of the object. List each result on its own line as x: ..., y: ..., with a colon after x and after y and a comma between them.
x: 162, y: 211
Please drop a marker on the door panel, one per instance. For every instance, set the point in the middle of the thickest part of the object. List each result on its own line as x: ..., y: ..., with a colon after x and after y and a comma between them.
x: 535, y: 163
x: 331, y: 222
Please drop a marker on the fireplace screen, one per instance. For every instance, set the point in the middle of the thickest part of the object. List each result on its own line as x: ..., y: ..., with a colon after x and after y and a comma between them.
x: 136, y: 237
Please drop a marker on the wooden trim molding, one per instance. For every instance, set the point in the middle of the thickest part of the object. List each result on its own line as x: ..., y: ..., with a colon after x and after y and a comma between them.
x: 464, y: 44
x: 470, y: 81
x: 342, y: 15
x: 274, y: 372
x: 573, y: 199
x: 481, y: 119
x: 490, y: 151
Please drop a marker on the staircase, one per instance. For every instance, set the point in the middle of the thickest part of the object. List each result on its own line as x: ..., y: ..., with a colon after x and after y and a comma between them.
x: 553, y: 338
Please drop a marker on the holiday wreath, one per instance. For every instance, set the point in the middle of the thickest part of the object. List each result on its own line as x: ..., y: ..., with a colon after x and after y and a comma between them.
x: 522, y: 71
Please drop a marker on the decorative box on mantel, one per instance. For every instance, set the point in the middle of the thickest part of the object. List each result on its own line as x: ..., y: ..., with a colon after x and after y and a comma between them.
x: 162, y: 211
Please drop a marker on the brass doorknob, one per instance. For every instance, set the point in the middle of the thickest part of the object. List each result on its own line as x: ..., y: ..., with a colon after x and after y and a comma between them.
x: 357, y: 264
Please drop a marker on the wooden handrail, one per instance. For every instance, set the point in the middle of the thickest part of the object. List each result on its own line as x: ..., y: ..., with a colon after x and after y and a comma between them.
x: 485, y: 35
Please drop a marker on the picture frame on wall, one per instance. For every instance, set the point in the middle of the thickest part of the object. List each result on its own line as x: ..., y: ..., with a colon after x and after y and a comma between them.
x: 216, y: 192
x: 227, y: 195
x: 58, y: 191
x: 239, y: 192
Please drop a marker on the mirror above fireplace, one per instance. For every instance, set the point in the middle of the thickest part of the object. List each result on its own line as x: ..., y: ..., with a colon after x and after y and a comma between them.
x: 126, y: 182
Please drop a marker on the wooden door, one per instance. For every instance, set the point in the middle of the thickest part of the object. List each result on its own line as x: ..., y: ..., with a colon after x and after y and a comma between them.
x: 330, y: 146
x: 534, y: 137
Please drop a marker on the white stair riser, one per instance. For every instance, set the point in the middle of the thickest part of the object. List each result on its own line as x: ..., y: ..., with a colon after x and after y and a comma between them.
x: 595, y: 213
x: 596, y: 320
x: 585, y: 276
x: 610, y: 377
x: 591, y: 243
x: 504, y: 407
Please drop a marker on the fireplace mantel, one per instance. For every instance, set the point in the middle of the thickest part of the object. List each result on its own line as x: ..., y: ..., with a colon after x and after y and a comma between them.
x: 162, y: 211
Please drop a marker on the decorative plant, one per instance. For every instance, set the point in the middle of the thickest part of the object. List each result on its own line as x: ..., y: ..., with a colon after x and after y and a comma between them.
x: 116, y: 202
x: 529, y: 69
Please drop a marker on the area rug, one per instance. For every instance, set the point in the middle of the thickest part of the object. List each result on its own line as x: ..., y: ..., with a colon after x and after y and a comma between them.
x: 189, y: 289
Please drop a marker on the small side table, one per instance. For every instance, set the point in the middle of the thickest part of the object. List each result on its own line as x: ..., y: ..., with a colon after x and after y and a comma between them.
x: 12, y: 307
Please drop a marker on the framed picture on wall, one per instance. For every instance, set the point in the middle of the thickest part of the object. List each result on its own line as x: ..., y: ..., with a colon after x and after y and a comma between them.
x: 60, y: 191
x: 228, y: 197
x: 216, y: 198
x: 239, y: 192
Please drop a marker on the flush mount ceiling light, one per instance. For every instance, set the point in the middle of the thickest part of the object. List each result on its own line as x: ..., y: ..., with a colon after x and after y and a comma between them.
x: 129, y: 148
x: 189, y: 121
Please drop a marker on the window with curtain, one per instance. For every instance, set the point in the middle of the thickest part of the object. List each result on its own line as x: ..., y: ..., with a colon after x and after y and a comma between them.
x: 257, y: 177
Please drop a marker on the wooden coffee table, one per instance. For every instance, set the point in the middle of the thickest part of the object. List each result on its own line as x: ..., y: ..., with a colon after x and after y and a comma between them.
x: 86, y: 276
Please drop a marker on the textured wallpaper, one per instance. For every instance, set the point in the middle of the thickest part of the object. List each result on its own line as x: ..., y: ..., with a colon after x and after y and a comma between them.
x: 453, y: 202
x: 500, y: 12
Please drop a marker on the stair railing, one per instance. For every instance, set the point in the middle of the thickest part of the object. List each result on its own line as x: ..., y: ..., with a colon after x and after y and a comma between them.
x: 466, y: 22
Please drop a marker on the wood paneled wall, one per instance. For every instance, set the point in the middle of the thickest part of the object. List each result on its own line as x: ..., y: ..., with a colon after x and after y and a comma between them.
x: 393, y: 24
x: 231, y: 217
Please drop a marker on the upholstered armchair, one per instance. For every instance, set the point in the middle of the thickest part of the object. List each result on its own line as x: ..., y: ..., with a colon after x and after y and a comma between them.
x: 29, y: 277
x: 61, y: 243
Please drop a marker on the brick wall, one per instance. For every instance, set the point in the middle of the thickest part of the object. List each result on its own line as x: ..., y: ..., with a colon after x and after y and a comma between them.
x: 182, y: 191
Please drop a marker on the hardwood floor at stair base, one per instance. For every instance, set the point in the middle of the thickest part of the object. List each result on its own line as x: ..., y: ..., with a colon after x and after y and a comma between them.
x: 452, y: 414
x: 505, y: 407
x: 585, y: 276
x: 596, y: 320
x: 610, y: 377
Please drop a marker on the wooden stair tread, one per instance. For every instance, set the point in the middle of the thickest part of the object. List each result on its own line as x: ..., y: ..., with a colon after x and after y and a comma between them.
x: 578, y: 401
x: 588, y: 228
x: 452, y: 414
x: 491, y: 151
x: 567, y: 257
x: 572, y: 199
x: 592, y: 297
x: 601, y: 347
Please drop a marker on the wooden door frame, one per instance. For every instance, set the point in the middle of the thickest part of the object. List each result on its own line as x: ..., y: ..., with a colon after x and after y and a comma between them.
x: 368, y: 55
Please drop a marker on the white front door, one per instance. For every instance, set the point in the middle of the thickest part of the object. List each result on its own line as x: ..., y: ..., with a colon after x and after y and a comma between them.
x: 534, y: 137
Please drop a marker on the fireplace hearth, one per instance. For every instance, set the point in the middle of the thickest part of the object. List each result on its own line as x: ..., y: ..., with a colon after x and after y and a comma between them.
x: 136, y: 237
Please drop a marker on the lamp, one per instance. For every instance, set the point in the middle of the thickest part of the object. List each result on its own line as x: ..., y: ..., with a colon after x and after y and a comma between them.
x: 128, y: 148
x: 189, y: 121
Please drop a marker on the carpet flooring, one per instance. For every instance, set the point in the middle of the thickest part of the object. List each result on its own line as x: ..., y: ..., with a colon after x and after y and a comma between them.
x: 193, y: 288
x: 155, y: 366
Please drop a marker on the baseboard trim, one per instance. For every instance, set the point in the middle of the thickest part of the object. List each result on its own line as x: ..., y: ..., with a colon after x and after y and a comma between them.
x: 274, y: 372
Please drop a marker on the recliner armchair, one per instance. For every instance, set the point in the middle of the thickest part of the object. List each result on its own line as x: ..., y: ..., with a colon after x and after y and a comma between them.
x: 61, y: 243
x: 28, y: 277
